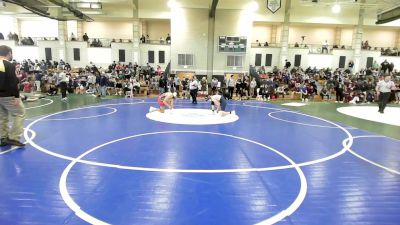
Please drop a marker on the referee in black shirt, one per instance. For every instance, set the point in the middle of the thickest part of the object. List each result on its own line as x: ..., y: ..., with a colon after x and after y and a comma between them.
x: 10, y: 103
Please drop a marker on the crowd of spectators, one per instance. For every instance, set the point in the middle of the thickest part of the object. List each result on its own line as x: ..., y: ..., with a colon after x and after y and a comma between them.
x: 340, y: 85
x: 146, y: 39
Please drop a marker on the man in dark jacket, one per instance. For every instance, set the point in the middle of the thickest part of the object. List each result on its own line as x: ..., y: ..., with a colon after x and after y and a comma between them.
x: 10, y: 102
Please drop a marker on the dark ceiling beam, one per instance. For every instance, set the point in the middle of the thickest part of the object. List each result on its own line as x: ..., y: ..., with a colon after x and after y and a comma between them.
x: 213, y: 8
x: 72, y: 9
x: 42, y: 10
x: 389, y: 15
x: 34, y: 9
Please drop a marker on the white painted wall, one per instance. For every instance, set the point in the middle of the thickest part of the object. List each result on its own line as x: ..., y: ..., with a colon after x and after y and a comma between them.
x: 232, y: 23
x: 262, y: 33
x: 144, y: 50
x: 298, y: 51
x: 99, y: 56
x: 7, y: 25
x: 10, y: 44
x: 341, y: 52
x: 380, y: 37
x: 263, y: 51
x: 158, y: 28
x: 25, y: 52
x: 128, y: 47
x: 70, y: 45
x: 55, y: 48
x: 346, y: 37
x: 314, y: 34
x: 155, y: 9
x: 189, y: 34
x: 320, y: 61
x: 365, y: 54
x: 109, y: 29
x: 38, y: 27
x: 72, y: 27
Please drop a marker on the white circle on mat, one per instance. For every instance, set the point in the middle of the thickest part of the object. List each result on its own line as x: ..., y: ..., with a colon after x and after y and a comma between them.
x: 93, y: 220
x: 191, y: 117
x: 391, y: 115
x: 296, y: 104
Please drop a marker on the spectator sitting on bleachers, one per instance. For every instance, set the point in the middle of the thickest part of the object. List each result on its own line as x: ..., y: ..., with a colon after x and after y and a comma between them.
x: 73, y: 37
x: 85, y: 37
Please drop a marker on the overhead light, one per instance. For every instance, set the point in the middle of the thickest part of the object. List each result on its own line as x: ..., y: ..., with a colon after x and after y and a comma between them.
x: 93, y: 12
x: 172, y: 3
x: 336, y: 8
x: 84, y: 5
x: 90, y: 1
x: 253, y: 6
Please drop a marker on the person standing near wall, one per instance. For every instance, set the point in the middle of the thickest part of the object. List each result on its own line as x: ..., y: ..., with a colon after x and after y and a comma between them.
x: 325, y: 47
x: 63, y: 85
x: 194, y: 87
x: 10, y: 102
x: 383, y: 90
x: 231, y: 86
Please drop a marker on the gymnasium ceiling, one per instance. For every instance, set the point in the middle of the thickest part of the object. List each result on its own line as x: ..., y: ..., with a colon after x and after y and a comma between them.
x: 303, y: 11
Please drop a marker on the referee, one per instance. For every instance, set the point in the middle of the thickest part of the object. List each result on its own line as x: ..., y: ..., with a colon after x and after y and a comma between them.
x: 10, y: 103
x: 383, y: 90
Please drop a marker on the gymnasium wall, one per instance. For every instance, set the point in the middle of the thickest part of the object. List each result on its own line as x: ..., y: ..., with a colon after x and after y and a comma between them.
x: 262, y: 33
x: 158, y: 28
x: 314, y: 34
x: 109, y: 29
x: 383, y: 37
x: 144, y: 54
x: 38, y: 27
x: 189, y: 33
x: 232, y: 23
x: 7, y: 25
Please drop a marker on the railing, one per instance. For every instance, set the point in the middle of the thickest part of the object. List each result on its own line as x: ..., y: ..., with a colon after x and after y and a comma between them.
x: 24, y: 41
x: 263, y: 45
x: 106, y: 42
x: 319, y: 49
x: 156, y: 42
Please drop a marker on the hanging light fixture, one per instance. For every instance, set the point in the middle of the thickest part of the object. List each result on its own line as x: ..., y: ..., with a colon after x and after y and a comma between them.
x: 336, y: 8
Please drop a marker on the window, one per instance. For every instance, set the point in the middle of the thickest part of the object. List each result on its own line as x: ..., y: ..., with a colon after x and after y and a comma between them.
x: 77, y: 54
x: 234, y: 61
x: 161, y: 56
x: 297, y: 60
x: 258, y: 60
x: 151, y: 57
x: 342, y: 61
x: 121, y: 55
x: 268, y: 59
x: 47, y: 52
x: 185, y: 59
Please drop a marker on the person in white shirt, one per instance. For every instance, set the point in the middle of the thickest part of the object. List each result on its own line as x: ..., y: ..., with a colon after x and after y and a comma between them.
x: 194, y: 87
x: 231, y: 86
x: 325, y: 47
x: 218, y: 103
x: 62, y: 78
x: 73, y: 37
x: 383, y: 90
x: 214, y: 85
x: 253, y: 85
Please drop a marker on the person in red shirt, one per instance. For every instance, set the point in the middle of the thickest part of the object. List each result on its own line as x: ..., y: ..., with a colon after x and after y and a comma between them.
x: 165, y: 99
